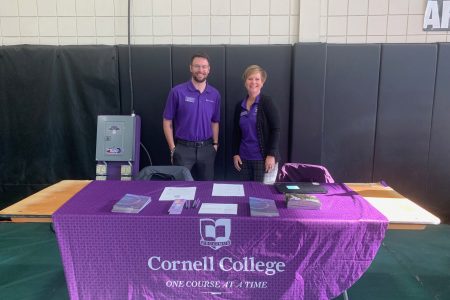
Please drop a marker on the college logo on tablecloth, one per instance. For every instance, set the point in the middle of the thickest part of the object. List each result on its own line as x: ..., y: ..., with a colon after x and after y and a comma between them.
x: 215, y: 233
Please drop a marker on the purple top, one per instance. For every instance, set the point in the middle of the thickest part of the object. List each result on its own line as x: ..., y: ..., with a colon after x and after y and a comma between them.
x: 249, y: 148
x: 303, y: 254
x: 192, y: 112
x: 292, y: 172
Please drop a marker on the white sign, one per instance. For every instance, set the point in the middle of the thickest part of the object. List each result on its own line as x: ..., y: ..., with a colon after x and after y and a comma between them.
x: 437, y: 15
x: 228, y: 190
x: 171, y: 193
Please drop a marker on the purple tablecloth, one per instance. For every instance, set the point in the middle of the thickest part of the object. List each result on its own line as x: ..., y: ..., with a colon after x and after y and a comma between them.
x: 303, y: 254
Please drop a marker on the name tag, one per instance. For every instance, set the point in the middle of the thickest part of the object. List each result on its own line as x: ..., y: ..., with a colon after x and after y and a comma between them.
x: 244, y: 113
x: 208, y: 100
x: 189, y: 99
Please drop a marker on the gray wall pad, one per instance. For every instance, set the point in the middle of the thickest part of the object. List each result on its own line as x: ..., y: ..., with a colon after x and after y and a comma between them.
x: 351, y: 94
x: 276, y: 60
x: 438, y: 189
x: 308, y: 82
x: 404, y: 117
x: 152, y: 79
x: 411, y: 149
x: 181, y: 57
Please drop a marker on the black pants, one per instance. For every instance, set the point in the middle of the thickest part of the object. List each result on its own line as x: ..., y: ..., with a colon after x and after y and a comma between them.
x: 255, y: 170
x: 252, y: 170
x: 201, y: 157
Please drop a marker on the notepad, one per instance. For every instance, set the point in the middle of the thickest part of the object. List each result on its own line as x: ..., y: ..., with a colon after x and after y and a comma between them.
x: 218, y: 209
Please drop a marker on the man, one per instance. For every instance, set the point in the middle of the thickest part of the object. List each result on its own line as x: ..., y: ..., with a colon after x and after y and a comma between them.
x: 193, y: 113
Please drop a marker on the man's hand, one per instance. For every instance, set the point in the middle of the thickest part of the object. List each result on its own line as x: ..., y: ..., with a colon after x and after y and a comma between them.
x: 172, y: 151
x: 237, y: 162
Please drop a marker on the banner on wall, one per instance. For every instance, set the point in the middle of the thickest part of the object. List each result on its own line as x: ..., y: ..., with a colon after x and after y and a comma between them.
x: 437, y: 15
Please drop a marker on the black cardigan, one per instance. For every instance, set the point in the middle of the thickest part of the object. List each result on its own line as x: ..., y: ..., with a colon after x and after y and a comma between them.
x: 267, y: 128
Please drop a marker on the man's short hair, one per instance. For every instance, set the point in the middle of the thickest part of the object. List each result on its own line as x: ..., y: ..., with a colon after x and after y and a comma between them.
x: 201, y: 55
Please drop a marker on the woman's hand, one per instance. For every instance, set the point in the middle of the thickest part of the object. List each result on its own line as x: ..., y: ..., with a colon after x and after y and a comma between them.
x: 237, y: 162
x: 270, y: 163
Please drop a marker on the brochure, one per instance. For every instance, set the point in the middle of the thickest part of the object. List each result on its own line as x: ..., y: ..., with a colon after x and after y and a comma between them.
x: 131, y: 203
x: 260, y: 207
x: 177, y: 207
x: 302, y: 201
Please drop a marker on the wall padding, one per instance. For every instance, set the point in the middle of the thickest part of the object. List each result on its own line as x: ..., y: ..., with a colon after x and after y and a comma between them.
x: 308, y: 83
x: 438, y: 188
x: 405, y: 107
x: 351, y: 94
x: 276, y: 60
x: 152, y: 78
x: 181, y: 57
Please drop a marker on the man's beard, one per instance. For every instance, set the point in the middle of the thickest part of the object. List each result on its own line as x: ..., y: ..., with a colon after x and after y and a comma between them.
x: 199, y: 80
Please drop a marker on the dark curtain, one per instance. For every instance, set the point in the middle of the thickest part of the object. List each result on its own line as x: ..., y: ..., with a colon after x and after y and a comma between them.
x: 50, y: 97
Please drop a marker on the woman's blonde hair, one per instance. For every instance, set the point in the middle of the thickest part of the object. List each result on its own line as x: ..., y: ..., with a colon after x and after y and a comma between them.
x: 254, y: 69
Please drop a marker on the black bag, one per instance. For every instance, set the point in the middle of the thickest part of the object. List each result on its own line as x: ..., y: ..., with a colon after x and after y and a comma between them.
x: 162, y: 177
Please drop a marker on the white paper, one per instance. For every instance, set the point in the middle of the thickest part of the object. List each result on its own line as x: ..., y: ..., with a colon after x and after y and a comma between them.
x: 230, y: 190
x: 398, y: 210
x: 218, y: 208
x: 173, y: 193
x: 271, y: 176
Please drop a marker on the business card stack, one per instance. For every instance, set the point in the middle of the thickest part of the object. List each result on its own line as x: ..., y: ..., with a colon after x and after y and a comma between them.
x: 177, y: 207
x: 302, y: 201
x: 131, y: 204
x: 260, y: 207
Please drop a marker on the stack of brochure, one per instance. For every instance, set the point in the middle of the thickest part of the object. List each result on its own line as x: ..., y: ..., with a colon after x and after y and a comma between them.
x: 260, y: 207
x: 302, y: 201
x: 177, y: 207
x: 131, y: 203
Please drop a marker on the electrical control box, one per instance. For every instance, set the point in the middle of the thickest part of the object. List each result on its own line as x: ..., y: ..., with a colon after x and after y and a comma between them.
x: 118, y: 145
x: 116, y: 138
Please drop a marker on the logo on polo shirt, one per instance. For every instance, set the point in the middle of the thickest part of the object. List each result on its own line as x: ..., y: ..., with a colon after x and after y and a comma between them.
x: 215, y: 233
x: 189, y: 99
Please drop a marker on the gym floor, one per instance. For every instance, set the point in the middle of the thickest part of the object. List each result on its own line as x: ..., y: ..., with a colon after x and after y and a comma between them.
x: 409, y: 265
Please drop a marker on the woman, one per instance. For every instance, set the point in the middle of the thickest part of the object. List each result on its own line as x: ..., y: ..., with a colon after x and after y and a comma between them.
x: 256, y: 131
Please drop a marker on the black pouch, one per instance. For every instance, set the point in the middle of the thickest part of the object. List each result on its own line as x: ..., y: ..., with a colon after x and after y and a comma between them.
x: 162, y: 177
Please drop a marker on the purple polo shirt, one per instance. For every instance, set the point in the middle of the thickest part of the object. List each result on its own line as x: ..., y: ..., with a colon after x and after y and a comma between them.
x: 192, y: 112
x: 249, y: 148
